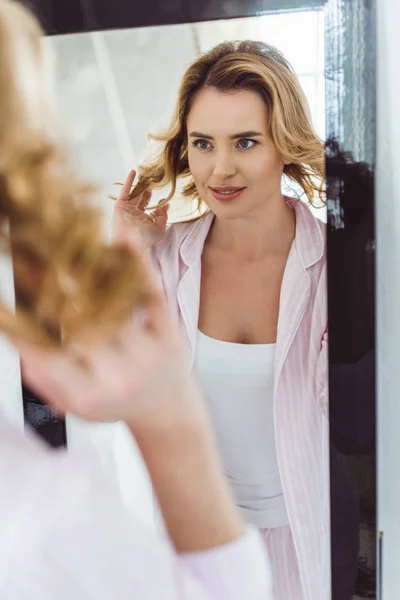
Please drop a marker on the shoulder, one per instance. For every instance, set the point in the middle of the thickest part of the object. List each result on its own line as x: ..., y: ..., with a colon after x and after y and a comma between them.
x: 308, y: 216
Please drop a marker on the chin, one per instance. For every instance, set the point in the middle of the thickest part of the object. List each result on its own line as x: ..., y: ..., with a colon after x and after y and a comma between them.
x: 228, y: 211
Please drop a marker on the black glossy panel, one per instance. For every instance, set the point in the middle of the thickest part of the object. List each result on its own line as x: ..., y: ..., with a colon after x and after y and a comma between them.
x: 42, y: 420
x: 90, y: 15
x: 350, y: 120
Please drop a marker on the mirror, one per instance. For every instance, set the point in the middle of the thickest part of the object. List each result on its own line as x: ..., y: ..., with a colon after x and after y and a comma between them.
x: 117, y: 86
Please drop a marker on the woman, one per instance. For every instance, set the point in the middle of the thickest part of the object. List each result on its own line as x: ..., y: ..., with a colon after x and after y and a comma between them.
x: 64, y: 534
x: 247, y: 283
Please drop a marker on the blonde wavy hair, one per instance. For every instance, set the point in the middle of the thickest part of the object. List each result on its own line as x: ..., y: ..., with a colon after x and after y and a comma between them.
x: 232, y: 66
x: 69, y: 284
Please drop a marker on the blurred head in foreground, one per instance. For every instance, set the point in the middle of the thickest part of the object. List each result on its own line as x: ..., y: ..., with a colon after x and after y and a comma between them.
x: 70, y: 286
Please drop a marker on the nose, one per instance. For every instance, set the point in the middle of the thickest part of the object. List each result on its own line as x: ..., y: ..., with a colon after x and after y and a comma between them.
x: 224, y: 166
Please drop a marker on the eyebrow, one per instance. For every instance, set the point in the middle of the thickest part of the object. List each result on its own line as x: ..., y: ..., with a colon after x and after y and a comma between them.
x: 243, y: 134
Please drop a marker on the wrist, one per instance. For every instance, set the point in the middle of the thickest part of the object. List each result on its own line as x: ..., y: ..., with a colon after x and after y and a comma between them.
x: 181, y: 411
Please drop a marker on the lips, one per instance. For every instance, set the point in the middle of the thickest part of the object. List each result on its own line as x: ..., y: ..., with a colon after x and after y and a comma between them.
x: 225, y: 193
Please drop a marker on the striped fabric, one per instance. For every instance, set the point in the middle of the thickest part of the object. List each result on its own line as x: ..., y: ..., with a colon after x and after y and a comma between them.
x: 301, y: 377
x: 284, y: 565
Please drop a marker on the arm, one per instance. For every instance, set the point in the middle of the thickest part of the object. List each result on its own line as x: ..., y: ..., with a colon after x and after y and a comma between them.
x: 201, y: 520
x: 187, y: 477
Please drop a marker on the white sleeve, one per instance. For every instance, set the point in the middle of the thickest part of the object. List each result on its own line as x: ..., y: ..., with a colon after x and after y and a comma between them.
x: 66, y: 536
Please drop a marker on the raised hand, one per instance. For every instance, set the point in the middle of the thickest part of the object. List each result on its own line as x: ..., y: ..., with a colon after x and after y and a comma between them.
x: 130, y: 216
x: 141, y: 374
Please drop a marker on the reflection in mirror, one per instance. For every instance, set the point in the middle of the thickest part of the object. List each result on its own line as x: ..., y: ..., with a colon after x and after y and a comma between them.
x: 245, y: 269
x: 116, y: 87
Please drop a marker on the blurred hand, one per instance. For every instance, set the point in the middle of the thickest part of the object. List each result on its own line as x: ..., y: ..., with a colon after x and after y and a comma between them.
x: 141, y: 375
x: 130, y: 215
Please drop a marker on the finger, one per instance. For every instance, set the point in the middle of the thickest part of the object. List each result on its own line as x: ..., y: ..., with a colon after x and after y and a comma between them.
x: 127, y: 186
x: 161, y: 217
x: 144, y: 199
x: 161, y: 211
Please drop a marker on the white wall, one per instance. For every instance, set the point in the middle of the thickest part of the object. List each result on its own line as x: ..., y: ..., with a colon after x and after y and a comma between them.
x: 388, y: 292
x: 10, y: 378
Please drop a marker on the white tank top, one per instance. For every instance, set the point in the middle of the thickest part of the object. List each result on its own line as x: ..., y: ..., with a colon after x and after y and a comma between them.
x: 237, y: 381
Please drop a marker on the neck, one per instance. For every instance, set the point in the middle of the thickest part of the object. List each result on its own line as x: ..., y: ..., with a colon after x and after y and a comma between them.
x: 271, y: 228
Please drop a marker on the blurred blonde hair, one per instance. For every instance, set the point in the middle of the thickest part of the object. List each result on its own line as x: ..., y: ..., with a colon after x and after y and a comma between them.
x: 233, y: 66
x: 66, y: 278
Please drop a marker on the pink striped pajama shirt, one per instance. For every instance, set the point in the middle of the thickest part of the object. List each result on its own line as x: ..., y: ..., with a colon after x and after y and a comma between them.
x: 300, y: 553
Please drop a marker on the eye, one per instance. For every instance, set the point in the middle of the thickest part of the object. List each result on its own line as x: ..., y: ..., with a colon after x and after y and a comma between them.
x: 245, y: 143
x: 202, y: 144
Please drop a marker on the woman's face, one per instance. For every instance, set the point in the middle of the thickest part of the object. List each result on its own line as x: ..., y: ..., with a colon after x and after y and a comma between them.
x: 233, y: 161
